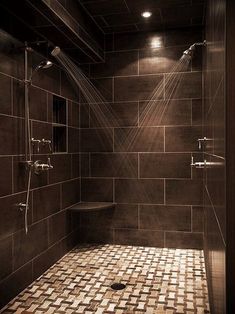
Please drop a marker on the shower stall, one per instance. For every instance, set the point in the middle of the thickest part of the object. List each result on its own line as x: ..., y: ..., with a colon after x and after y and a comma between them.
x: 116, y: 147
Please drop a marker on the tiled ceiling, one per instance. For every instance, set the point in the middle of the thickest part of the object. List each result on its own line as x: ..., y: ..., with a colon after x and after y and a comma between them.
x: 125, y: 15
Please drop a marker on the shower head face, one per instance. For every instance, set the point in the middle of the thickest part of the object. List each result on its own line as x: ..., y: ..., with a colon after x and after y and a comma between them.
x: 45, y: 64
x: 55, y: 51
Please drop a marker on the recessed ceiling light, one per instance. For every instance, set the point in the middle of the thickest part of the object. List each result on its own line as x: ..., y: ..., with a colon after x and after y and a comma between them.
x: 146, y: 14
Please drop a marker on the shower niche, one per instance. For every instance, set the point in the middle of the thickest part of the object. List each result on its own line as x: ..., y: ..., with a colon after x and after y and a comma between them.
x: 59, y: 124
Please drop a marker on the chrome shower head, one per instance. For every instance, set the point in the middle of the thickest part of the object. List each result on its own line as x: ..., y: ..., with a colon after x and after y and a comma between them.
x: 55, y: 51
x: 45, y: 64
x: 189, y: 52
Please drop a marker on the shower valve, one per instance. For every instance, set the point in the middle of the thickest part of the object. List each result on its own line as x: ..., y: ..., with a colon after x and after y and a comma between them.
x: 39, y: 166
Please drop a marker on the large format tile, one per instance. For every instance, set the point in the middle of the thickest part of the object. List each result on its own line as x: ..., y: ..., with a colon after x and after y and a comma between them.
x: 97, y: 190
x: 114, y: 165
x: 177, y: 218
x: 184, y: 192
x: 27, y: 246
x: 165, y: 165
x: 135, y: 88
x: 46, y: 201
x: 139, y: 191
x: 146, y: 139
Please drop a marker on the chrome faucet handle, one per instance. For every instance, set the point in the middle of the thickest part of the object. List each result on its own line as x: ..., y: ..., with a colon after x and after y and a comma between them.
x: 49, y: 163
x: 37, y: 142
x: 47, y: 142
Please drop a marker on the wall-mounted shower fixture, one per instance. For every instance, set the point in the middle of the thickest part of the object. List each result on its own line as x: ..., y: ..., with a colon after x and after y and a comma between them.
x: 200, y: 164
x: 202, y: 142
x: 189, y: 52
x: 37, y: 166
x: 55, y: 51
x: 43, y: 141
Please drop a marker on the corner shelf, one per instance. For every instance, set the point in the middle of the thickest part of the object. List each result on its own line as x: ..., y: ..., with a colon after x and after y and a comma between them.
x: 92, y: 206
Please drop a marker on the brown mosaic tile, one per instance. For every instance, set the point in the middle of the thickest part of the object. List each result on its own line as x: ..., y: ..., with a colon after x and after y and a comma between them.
x: 158, y: 281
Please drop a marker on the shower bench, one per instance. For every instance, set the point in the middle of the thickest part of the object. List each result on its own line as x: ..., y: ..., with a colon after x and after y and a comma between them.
x: 92, y: 206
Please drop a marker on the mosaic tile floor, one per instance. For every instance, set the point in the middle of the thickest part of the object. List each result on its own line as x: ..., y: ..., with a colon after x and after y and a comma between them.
x: 157, y: 281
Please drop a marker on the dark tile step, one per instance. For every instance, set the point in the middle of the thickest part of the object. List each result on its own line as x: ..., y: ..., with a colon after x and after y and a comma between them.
x: 92, y: 206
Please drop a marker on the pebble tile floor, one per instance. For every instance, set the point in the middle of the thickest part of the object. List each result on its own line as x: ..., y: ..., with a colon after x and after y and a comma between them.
x: 157, y: 281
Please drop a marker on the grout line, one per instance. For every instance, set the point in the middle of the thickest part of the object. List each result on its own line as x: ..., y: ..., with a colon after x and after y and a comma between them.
x: 12, y: 174
x: 114, y: 196
x: 191, y: 218
x: 164, y: 191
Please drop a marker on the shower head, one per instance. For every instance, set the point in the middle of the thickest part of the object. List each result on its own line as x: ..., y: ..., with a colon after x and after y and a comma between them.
x: 55, y: 51
x: 45, y: 64
x: 189, y: 52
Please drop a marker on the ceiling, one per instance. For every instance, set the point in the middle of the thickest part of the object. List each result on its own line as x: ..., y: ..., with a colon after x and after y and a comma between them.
x: 125, y: 15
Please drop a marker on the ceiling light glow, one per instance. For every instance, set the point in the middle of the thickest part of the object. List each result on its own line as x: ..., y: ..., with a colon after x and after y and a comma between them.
x: 146, y: 14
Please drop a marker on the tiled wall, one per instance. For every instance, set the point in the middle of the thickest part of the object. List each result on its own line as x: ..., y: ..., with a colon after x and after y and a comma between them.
x: 214, y: 130
x: 51, y: 231
x: 144, y: 164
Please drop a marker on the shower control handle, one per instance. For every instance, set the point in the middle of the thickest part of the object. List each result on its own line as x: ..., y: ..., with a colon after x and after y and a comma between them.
x: 40, y: 167
x: 47, y: 142
x: 200, y: 164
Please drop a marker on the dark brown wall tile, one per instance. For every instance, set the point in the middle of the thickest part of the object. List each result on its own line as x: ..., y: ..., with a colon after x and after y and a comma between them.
x: 95, y: 235
x: 160, y: 217
x: 139, y: 40
x: 139, y: 139
x: 12, y: 136
x: 184, y: 85
x: 59, y: 226
x: 73, y: 140
x: 165, y: 112
x: 182, y: 139
x: 15, y: 283
x: 197, y: 112
x: 97, y: 190
x: 96, y: 140
x: 18, y: 98
x: 6, y: 176
x: 70, y: 193
x: 114, y: 115
x: 184, y: 192
x: 114, y: 165
x: 75, y: 165
x: 185, y: 36
x: 139, y: 191
x: 63, y: 163
x: 117, y: 64
x: 6, y: 99
x: 13, y: 217
x: 184, y: 240
x: 74, y: 114
x: 135, y: 88
x: 5, y: 257
x: 46, y: 201
x: 139, y: 237
x: 125, y: 216
x: 198, y: 219
x: 45, y: 260
x: 28, y: 246
x: 162, y: 60
x: 165, y: 165
x: 37, y: 104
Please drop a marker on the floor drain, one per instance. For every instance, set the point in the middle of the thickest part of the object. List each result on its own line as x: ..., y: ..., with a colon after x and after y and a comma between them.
x: 118, y: 286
